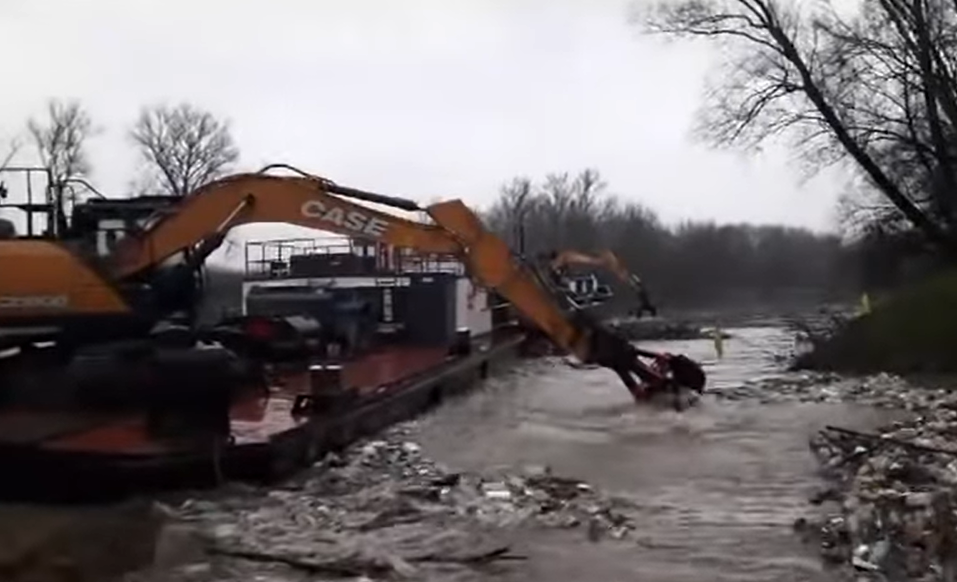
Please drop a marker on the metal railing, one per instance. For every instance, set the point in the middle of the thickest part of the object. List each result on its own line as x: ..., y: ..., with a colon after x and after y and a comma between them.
x: 272, y: 259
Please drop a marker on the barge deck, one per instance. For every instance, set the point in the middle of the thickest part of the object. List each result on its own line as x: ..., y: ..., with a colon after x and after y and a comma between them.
x: 104, y: 457
x: 389, y: 335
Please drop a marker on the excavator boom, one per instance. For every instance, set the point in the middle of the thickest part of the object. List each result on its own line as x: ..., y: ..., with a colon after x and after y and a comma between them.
x: 200, y: 222
x: 308, y: 201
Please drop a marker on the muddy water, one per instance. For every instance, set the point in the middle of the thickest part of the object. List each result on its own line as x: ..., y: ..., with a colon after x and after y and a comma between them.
x: 717, y: 489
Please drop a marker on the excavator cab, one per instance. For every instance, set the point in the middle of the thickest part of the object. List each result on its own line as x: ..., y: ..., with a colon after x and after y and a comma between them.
x: 585, y: 289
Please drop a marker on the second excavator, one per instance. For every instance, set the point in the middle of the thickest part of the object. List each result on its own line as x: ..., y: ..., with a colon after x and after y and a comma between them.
x: 95, y: 284
x: 558, y: 263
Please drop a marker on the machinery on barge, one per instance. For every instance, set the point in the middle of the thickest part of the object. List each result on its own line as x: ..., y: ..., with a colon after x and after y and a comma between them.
x: 111, y: 287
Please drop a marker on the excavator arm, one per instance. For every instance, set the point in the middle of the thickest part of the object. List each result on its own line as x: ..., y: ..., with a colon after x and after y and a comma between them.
x: 203, y: 218
x: 312, y: 202
x: 607, y: 260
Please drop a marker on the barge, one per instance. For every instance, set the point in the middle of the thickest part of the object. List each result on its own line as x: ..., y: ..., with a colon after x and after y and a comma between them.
x: 380, y: 334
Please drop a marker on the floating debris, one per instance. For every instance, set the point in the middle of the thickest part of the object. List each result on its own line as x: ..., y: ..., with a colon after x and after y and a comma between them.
x: 889, y: 504
x: 880, y: 390
x: 382, y: 509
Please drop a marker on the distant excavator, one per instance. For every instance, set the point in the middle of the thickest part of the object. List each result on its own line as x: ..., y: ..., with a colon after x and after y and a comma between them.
x: 559, y: 261
x: 108, y: 278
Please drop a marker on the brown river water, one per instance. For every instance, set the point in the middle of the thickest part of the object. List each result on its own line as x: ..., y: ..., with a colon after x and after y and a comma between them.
x: 717, y: 488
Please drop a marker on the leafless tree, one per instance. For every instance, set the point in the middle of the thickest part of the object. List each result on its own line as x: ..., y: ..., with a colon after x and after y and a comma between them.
x: 510, y: 212
x: 183, y: 146
x: 61, y: 139
x: 560, y: 209
x: 13, y: 148
x: 877, y: 91
x: 8, y: 229
x: 691, y: 262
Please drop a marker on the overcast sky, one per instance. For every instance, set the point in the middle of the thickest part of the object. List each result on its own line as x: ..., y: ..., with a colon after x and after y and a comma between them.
x: 423, y: 98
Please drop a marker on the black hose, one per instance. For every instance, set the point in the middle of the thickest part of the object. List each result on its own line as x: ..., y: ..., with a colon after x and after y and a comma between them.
x: 333, y: 188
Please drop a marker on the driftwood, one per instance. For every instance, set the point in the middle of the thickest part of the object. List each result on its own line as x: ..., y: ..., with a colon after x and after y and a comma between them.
x: 498, y: 554
x: 344, y: 567
x: 351, y: 566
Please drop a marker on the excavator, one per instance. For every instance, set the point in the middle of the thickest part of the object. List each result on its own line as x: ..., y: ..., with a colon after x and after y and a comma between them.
x: 102, y: 282
x: 558, y: 263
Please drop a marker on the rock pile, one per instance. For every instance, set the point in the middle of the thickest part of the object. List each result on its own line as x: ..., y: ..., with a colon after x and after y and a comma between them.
x: 890, y: 500
x: 383, y: 509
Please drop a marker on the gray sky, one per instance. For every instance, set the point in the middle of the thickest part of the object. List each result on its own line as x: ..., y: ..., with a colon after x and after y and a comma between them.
x: 423, y: 98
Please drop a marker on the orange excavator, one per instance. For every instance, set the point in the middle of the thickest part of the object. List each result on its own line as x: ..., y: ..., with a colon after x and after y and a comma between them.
x: 558, y: 262
x: 106, y: 279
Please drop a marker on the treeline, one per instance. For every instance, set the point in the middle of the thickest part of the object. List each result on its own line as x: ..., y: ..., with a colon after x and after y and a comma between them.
x: 691, y: 264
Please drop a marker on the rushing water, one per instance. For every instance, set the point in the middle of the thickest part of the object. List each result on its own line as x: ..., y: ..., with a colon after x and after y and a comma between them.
x: 718, y: 487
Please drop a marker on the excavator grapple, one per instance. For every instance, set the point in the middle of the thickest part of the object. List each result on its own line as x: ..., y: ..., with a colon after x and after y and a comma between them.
x: 644, y: 373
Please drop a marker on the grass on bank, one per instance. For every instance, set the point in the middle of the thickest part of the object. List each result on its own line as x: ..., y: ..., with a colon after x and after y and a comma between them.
x: 912, y: 331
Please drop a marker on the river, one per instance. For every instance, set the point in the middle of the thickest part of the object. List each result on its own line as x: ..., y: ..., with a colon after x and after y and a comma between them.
x: 717, y: 488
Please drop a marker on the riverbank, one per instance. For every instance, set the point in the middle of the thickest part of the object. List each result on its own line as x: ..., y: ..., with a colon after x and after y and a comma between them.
x: 887, y: 508
x: 913, y: 331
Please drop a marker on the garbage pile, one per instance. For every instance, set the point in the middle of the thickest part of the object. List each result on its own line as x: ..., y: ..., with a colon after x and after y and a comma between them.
x: 797, y: 387
x: 889, y: 506
x: 880, y: 390
x: 383, y: 509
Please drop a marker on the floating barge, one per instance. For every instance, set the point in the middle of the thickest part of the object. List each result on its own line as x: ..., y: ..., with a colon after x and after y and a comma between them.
x: 394, y: 333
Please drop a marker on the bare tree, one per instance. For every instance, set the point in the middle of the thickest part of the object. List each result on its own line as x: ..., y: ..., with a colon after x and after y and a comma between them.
x: 510, y: 212
x: 738, y: 261
x: 61, y: 139
x: 6, y: 227
x: 843, y: 91
x: 13, y: 148
x: 184, y: 147
x: 587, y: 189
